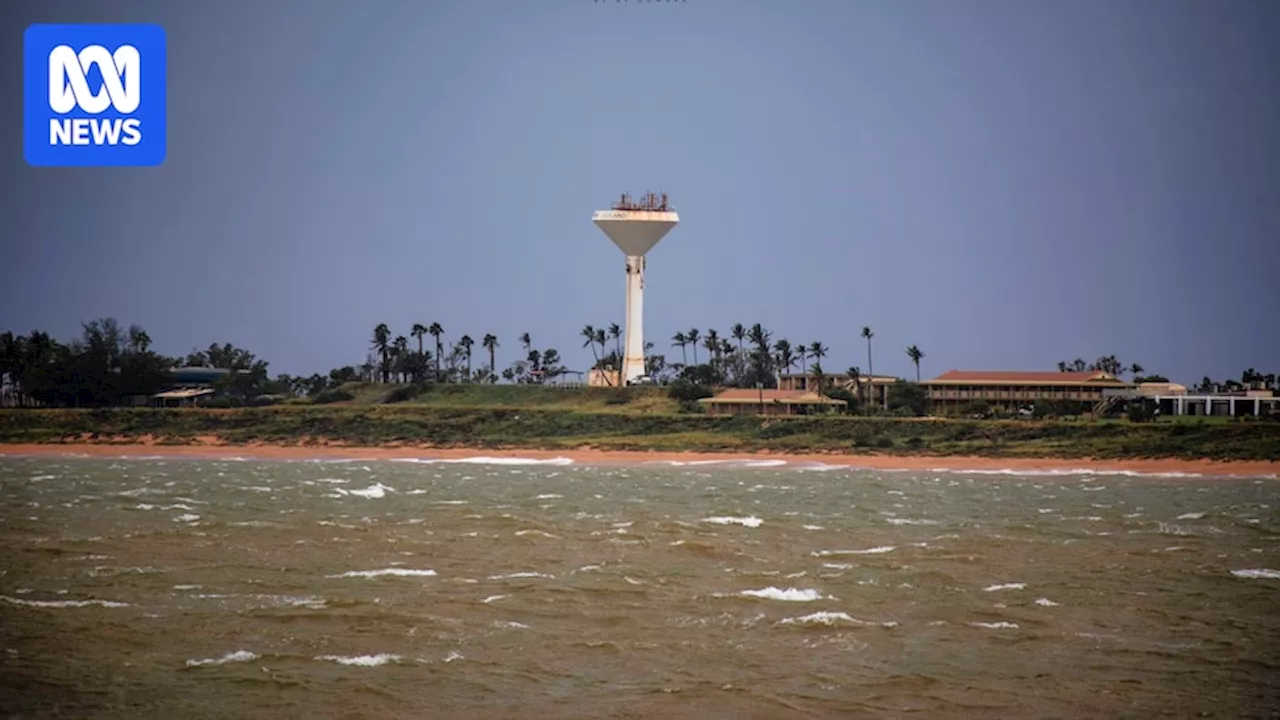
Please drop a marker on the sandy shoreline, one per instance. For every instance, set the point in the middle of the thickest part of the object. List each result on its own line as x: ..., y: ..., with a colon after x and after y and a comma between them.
x: 212, y: 450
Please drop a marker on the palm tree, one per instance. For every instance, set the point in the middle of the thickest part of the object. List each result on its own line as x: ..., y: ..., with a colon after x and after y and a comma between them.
x: 712, y: 344
x: 465, y: 342
x: 1137, y: 371
x: 871, y: 371
x: 738, y: 333
x: 615, y: 332
x: 915, y: 354
x: 819, y: 377
x: 526, y: 342
x: 589, y: 332
x: 866, y: 333
x: 382, y: 345
x: 601, y: 339
x: 802, y: 354
x: 693, y: 336
x: 680, y: 339
x: 783, y: 355
x: 817, y: 351
x: 400, y: 348
x: 490, y: 343
x: 855, y: 375
x: 435, y: 331
x: 417, y: 332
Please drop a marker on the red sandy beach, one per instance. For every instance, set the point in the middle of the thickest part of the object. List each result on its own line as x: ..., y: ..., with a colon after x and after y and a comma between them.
x: 211, y: 448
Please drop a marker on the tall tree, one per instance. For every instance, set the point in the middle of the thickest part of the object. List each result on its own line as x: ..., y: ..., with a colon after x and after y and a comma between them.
x: 601, y: 339
x: 615, y: 332
x: 783, y: 355
x: 871, y: 372
x: 680, y: 340
x: 418, y: 331
x: 400, y: 349
x: 693, y: 336
x: 436, y: 331
x: 738, y: 333
x: 382, y: 345
x: 490, y: 343
x: 466, y: 342
x: 589, y: 340
x: 916, y: 355
x: 855, y: 375
x: 817, y: 351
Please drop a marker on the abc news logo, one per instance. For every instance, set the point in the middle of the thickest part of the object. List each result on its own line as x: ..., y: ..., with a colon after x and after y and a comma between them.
x: 94, y: 95
x: 69, y: 88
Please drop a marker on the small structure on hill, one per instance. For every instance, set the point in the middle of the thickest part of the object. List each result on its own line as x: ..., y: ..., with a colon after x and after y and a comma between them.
x: 746, y: 401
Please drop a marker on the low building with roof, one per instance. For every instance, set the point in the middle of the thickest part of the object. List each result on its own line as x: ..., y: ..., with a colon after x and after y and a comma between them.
x: 874, y: 389
x: 749, y: 401
x: 1012, y: 390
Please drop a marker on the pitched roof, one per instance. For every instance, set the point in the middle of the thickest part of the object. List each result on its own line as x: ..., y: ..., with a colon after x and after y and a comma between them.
x: 840, y: 376
x: 790, y: 397
x: 1023, y: 377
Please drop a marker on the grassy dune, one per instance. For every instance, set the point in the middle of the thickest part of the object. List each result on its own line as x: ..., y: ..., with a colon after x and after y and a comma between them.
x: 638, y: 419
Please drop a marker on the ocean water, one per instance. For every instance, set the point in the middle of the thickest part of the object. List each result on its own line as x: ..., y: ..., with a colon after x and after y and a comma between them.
x: 152, y: 587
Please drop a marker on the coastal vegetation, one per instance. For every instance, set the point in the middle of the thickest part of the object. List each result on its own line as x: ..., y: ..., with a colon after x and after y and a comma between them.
x: 591, y: 422
x: 432, y: 391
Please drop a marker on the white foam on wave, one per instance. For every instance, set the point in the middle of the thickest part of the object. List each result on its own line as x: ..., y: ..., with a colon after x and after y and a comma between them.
x: 785, y: 595
x: 373, y: 492
x: 1257, y: 574
x: 548, y: 496
x: 486, y: 460
x: 831, y: 619
x: 187, y: 517
x: 1002, y: 625
x: 1004, y: 586
x: 516, y: 575
x: 909, y: 521
x: 394, y: 572
x: 63, y: 603
x: 1060, y: 472
x: 231, y: 657
x: 1190, y: 516
x: 1046, y: 602
x: 539, y: 533
x: 869, y: 551
x: 361, y: 660
x: 750, y: 521
x: 494, y: 598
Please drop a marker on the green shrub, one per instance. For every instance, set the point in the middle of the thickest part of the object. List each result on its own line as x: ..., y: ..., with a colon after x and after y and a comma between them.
x: 684, y: 391
x: 332, y: 396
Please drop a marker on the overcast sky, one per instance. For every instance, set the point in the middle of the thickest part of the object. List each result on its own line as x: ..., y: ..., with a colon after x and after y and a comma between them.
x: 1004, y: 183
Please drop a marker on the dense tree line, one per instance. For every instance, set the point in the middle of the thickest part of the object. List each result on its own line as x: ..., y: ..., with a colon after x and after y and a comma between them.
x: 111, y: 365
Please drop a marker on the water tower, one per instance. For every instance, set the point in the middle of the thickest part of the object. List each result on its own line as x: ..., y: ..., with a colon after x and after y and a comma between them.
x: 635, y: 227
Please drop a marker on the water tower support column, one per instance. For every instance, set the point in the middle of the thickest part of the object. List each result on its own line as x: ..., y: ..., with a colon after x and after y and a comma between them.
x: 633, y: 362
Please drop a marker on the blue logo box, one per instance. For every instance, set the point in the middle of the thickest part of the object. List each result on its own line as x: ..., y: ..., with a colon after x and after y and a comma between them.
x: 94, y: 95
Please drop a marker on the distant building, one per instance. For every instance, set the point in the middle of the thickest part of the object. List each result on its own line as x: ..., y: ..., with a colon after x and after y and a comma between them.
x: 747, y: 401
x: 1177, y: 400
x: 954, y: 390
x: 187, y: 387
x: 597, y: 377
x: 874, y: 389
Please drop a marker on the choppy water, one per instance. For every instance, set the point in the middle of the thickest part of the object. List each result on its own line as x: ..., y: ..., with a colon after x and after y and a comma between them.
x: 193, y: 588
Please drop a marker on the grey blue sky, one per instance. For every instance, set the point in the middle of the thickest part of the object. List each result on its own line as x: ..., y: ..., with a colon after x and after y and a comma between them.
x: 1005, y: 183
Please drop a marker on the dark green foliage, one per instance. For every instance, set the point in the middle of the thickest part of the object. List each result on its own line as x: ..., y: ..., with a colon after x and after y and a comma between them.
x: 684, y: 391
x: 552, y: 429
x: 332, y: 396
x: 403, y: 393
